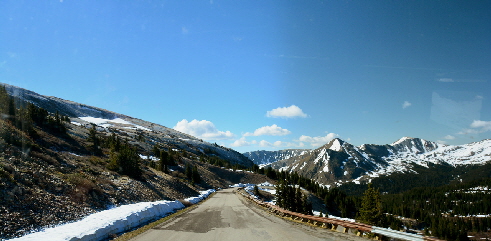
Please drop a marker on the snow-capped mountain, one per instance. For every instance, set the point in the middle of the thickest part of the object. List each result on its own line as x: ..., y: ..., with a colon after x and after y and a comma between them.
x: 268, y: 157
x: 108, y: 121
x: 341, y: 161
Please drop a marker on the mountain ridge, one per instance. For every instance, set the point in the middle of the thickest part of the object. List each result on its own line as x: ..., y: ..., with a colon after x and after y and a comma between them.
x: 339, y: 161
x: 263, y: 157
x: 156, y: 132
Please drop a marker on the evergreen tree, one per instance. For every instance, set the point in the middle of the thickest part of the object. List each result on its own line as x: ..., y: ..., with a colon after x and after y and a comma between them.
x: 297, y: 205
x: 156, y: 150
x: 195, y: 175
x: 280, y: 194
x: 126, y: 161
x: 306, y: 206
x: 189, y: 172
x: 371, y: 206
x: 256, y: 190
x: 95, y: 142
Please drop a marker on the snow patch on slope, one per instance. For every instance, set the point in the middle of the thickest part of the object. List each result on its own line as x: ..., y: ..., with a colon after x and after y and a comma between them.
x: 106, y: 123
x: 470, y: 154
x: 322, y: 155
x: 401, y: 140
x: 336, y: 145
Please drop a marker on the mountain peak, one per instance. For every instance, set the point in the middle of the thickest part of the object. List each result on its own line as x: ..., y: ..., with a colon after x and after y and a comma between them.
x: 335, y: 144
x: 405, y: 138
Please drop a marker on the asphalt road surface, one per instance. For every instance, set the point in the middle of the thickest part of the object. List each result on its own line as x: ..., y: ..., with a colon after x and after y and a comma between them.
x: 229, y: 216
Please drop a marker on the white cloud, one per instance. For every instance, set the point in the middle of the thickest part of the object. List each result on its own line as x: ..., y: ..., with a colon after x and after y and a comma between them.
x: 318, y: 140
x: 447, y: 80
x: 240, y: 142
x: 468, y: 131
x: 273, y: 130
x: 449, y: 137
x: 482, y: 126
x: 477, y: 127
x: 278, y: 143
x: 202, y: 129
x: 286, y: 112
x: 441, y: 142
x: 406, y: 104
x: 264, y: 143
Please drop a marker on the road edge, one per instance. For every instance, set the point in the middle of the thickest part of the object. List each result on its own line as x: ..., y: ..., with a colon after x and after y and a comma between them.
x: 131, y: 234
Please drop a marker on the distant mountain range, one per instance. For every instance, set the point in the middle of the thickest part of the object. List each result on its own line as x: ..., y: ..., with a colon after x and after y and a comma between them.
x: 339, y: 161
x: 263, y: 158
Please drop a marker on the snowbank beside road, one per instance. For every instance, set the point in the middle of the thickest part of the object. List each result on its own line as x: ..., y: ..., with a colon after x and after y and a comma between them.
x: 203, y: 195
x: 100, y: 225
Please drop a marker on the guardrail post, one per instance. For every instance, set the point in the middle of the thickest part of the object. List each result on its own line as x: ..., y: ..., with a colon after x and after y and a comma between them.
x: 342, y: 229
x: 353, y: 231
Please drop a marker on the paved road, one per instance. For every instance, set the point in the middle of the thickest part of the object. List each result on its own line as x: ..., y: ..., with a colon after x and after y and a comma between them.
x: 228, y: 216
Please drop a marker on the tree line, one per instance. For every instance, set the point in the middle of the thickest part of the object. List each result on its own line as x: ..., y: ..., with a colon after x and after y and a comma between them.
x: 21, y: 116
x: 446, y: 211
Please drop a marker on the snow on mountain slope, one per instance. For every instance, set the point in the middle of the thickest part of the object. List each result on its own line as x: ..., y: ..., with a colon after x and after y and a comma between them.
x: 267, y: 157
x: 336, y: 145
x: 476, y: 153
x: 340, y: 161
x: 107, y: 121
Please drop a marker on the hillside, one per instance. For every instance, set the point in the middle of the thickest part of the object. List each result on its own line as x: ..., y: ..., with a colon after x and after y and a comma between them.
x: 69, y: 160
x: 340, y: 162
x: 108, y: 121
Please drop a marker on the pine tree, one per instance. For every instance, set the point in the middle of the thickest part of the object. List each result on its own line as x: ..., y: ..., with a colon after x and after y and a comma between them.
x: 371, y: 206
x: 126, y: 161
x: 195, y: 175
x: 298, y: 202
x: 189, y: 171
x: 95, y: 146
x: 280, y: 194
x: 7, y: 106
x: 306, y: 206
x: 156, y: 150
x: 256, y: 190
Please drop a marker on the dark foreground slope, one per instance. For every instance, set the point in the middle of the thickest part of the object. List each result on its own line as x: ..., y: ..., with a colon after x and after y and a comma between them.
x: 55, y: 169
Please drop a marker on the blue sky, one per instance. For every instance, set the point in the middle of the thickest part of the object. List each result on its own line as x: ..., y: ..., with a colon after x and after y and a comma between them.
x: 263, y: 75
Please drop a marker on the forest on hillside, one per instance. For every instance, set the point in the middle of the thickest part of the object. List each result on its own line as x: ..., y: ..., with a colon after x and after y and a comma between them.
x: 450, y: 211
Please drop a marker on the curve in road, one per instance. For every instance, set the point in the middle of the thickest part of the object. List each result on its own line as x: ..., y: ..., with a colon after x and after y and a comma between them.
x: 228, y: 216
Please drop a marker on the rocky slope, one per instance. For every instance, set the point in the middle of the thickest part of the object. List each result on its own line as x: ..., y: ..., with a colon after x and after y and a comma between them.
x: 109, y: 122
x: 49, y: 176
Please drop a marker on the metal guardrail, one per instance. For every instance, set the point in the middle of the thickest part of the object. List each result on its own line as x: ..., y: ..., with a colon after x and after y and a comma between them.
x: 397, y: 234
x: 345, y: 225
